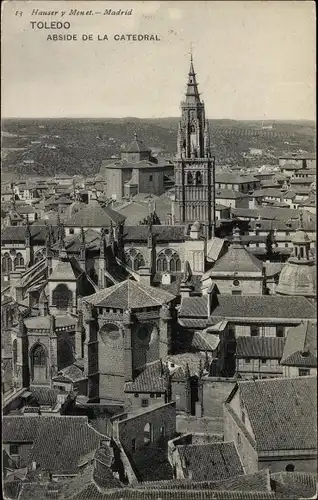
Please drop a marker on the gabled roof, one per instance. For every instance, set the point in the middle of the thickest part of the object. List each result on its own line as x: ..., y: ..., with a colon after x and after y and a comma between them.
x: 301, y: 345
x: 282, y: 412
x: 161, y: 233
x: 93, y: 215
x: 130, y: 294
x: 237, y: 259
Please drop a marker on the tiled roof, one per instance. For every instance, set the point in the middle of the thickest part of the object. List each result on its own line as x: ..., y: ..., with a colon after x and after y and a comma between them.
x: 282, y: 412
x: 72, y: 373
x: 193, y: 323
x: 93, y: 215
x: 294, y: 485
x: 44, y: 395
x: 149, y: 380
x: 259, y: 481
x: 194, y: 307
x: 301, y: 339
x: 161, y: 233
x: 58, y: 442
x: 212, y: 462
x: 272, y: 268
x: 176, y: 280
x: 130, y: 295
x: 266, y: 213
x: 231, y: 178
x: 214, y: 248
x: 239, y: 259
x: 137, y: 146
x: 259, y: 347
x: 182, y: 361
x: 17, y: 233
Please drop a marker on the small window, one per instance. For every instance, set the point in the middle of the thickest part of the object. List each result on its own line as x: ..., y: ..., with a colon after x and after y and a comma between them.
x: 254, y: 331
x: 150, y: 178
x: 14, y: 449
x: 247, y: 360
x: 238, y: 438
x: 243, y: 416
x: 71, y: 231
x: 286, y: 245
x: 144, y: 403
x: 280, y: 331
x: 264, y: 361
x: 236, y: 292
x: 162, y: 431
x: 158, y: 395
x: 100, y: 310
x: 133, y: 445
x: 136, y: 395
x: 152, y: 395
x: 303, y: 372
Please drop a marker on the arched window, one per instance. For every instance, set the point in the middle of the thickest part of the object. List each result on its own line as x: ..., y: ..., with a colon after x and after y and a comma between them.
x: 38, y: 257
x: 62, y: 297
x: 38, y: 363
x: 198, y: 178
x: 134, y: 259
x: 192, y: 128
x: 18, y: 261
x: 162, y: 263
x: 147, y: 434
x: 6, y: 263
x: 189, y: 178
x: 168, y: 260
x: 175, y: 263
x: 15, y: 355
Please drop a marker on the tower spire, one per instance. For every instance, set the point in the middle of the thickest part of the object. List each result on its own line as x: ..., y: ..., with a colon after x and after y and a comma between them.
x: 192, y: 92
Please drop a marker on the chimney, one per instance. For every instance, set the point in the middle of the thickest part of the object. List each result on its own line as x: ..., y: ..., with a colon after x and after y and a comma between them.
x: 144, y: 276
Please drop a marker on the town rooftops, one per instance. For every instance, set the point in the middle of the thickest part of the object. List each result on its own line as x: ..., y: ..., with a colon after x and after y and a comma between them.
x: 266, y: 213
x: 93, y: 215
x: 230, y: 194
x: 130, y: 294
x: 161, y: 233
x: 251, y: 306
x: 57, y: 443
x: 281, y: 411
x: 149, y: 380
x: 17, y: 233
x: 301, y: 345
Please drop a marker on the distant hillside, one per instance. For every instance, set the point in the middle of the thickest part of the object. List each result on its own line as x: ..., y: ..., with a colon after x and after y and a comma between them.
x: 77, y: 146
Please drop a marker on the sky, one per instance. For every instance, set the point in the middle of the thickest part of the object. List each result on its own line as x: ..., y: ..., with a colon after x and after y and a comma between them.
x: 254, y: 60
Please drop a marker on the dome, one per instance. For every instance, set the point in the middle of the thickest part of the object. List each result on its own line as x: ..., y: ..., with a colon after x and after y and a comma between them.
x: 137, y: 146
x: 297, y: 279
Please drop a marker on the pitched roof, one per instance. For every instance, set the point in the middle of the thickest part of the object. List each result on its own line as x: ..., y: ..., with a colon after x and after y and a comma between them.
x: 282, y: 412
x: 294, y: 485
x: 130, y: 294
x: 214, y: 461
x: 237, y: 259
x: 93, y: 215
x: 17, y: 233
x: 149, y: 380
x: 58, y: 442
x: 259, y: 347
x: 43, y: 322
x: 137, y: 146
x: 233, y: 178
x: 301, y: 345
x: 66, y: 270
x: 214, y: 248
x: 244, y: 306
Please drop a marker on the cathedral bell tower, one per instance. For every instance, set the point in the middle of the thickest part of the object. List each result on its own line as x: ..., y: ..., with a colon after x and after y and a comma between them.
x: 194, y: 166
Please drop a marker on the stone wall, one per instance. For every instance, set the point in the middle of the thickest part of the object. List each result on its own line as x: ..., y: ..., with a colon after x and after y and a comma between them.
x: 130, y: 430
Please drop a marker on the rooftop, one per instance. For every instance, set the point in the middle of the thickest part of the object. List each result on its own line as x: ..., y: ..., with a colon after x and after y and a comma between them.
x: 259, y: 347
x: 93, y: 215
x: 301, y: 345
x: 130, y: 294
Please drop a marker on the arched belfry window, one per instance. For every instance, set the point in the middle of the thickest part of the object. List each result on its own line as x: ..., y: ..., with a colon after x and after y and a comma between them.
x: 18, y: 261
x: 134, y: 259
x: 189, y: 178
x: 6, y: 263
x: 168, y: 260
x: 192, y: 128
x: 62, y: 297
x: 198, y: 178
x: 38, y: 363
